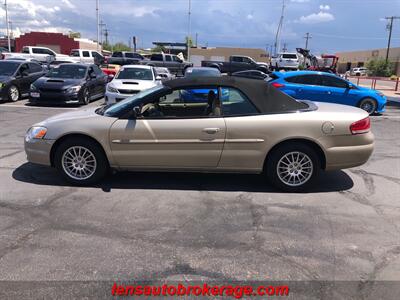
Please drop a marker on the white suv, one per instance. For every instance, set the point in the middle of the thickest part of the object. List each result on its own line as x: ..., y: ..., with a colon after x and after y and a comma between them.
x: 359, y: 71
x: 285, y: 61
x: 130, y: 80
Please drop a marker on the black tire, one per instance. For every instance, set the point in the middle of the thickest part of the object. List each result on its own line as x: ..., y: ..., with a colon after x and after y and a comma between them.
x: 279, y: 153
x: 368, y: 104
x: 85, y: 100
x: 101, y: 162
x: 13, y: 93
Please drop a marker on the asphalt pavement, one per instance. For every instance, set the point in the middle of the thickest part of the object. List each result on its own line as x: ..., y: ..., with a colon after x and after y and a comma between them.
x: 163, y: 226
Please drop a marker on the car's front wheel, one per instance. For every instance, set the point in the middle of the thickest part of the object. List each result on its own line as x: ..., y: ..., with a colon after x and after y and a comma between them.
x: 292, y: 167
x: 13, y: 93
x: 368, y: 104
x: 85, y: 98
x: 81, y: 161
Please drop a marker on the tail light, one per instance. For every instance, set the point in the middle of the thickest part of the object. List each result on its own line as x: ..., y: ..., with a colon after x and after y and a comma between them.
x: 277, y: 85
x: 361, y: 126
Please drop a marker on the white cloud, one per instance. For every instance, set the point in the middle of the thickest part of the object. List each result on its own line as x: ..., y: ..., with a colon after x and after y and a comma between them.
x: 324, y: 7
x: 68, y: 3
x: 316, y: 18
x: 300, y: 1
x: 249, y: 17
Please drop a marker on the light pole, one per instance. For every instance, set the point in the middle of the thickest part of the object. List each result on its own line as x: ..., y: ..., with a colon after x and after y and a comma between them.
x: 278, y: 31
x: 390, y: 34
x: 307, y: 37
x: 189, y: 29
x: 97, y: 23
x: 8, y: 26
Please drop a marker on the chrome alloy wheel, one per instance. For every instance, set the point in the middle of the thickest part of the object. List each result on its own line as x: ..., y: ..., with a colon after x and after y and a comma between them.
x: 79, y: 163
x: 295, y: 168
x: 14, y: 94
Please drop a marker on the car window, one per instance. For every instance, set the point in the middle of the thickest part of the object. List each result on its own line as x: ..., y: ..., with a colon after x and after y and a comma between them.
x: 246, y: 60
x: 333, y: 82
x: 117, y: 54
x: 135, y: 73
x: 235, y: 103
x: 96, y: 54
x: 168, y: 58
x: 156, y: 57
x: 37, y: 51
x: 309, y: 79
x: 176, y: 58
x: 74, y: 53
x: 47, y: 51
x: 293, y: 79
x: 183, y: 103
x: 25, y: 50
x: 129, y: 55
x: 289, y: 56
x: 8, y: 68
x: 85, y: 54
x: 237, y: 59
x: 24, y: 68
x: 35, y: 68
x: 137, y: 55
x: 68, y: 71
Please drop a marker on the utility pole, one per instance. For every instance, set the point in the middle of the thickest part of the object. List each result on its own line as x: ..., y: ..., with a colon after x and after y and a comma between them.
x: 307, y: 37
x: 189, y: 29
x: 8, y: 26
x: 390, y: 27
x: 106, y: 33
x: 197, y: 35
x: 278, y: 31
x: 102, y: 24
x: 97, y: 24
x: 284, y: 49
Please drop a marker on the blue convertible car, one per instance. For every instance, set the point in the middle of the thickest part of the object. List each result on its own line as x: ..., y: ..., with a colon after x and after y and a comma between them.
x: 327, y: 87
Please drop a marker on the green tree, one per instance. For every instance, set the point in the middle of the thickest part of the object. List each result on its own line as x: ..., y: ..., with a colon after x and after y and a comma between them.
x: 158, y: 49
x: 189, y: 41
x: 74, y: 35
x: 116, y: 47
x: 379, y: 67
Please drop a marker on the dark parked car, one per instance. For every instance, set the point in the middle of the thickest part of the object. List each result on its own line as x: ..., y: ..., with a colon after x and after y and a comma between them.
x: 202, y: 72
x: 69, y: 83
x: 236, y: 63
x: 174, y: 64
x: 125, y: 58
x: 16, y: 77
x: 254, y: 74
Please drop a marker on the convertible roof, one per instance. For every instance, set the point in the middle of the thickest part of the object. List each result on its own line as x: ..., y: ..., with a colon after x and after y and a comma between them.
x: 264, y: 96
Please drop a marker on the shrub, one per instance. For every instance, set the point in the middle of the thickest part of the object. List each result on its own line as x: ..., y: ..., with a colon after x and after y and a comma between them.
x: 379, y: 67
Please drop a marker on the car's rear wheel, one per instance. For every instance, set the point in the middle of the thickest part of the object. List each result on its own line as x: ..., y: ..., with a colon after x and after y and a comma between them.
x: 292, y: 167
x: 81, y: 161
x: 368, y: 104
x: 13, y: 93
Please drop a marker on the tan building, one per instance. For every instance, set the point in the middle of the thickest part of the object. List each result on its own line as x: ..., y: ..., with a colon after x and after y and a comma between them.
x: 348, y: 60
x: 223, y: 53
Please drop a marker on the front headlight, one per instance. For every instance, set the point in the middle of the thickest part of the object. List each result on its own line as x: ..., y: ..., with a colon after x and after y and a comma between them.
x: 111, y: 89
x: 33, y: 88
x: 35, y: 132
x: 74, y: 89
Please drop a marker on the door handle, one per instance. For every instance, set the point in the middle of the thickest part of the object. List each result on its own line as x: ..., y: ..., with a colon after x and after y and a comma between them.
x: 211, y: 130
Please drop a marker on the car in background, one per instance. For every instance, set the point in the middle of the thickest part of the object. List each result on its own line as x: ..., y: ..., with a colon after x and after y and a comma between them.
x: 125, y: 58
x: 69, y: 84
x: 110, y: 70
x: 202, y: 72
x: 86, y: 56
x: 130, y: 80
x: 164, y: 73
x: 171, y: 61
x: 254, y: 74
x: 256, y: 129
x: 285, y: 61
x: 327, y: 87
x: 16, y: 77
x: 236, y: 63
x: 361, y: 71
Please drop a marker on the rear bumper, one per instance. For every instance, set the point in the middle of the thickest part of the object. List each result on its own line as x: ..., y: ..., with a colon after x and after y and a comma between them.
x: 38, y: 151
x: 349, y: 151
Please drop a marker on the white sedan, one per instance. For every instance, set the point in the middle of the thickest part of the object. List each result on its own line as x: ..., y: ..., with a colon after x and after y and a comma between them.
x: 130, y: 80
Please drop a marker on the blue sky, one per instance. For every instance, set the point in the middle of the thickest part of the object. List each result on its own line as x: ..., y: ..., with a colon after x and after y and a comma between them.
x: 334, y: 25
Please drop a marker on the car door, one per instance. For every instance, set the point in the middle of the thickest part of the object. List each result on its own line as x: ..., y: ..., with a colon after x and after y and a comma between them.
x: 35, y: 72
x: 101, y: 80
x: 23, y: 78
x: 307, y: 87
x: 337, y: 91
x: 180, y: 138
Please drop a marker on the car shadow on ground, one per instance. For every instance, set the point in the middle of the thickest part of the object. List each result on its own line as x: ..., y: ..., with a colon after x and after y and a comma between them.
x: 327, y: 182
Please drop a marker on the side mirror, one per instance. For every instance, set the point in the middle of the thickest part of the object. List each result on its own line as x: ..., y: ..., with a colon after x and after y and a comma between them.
x: 158, y: 77
x: 137, y: 112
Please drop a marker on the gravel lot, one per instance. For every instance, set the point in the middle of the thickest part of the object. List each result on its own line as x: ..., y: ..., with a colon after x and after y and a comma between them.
x: 157, y: 226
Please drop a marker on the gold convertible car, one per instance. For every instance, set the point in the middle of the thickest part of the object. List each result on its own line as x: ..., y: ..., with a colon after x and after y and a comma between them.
x: 205, y: 124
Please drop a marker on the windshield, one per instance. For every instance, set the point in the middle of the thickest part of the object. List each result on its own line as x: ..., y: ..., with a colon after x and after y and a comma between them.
x: 8, y: 68
x: 291, y: 56
x: 135, y: 73
x: 68, y: 72
x: 202, y: 72
x: 130, y: 101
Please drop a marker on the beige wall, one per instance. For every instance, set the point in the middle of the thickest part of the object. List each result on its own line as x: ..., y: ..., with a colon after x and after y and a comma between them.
x: 361, y: 57
x: 223, y: 53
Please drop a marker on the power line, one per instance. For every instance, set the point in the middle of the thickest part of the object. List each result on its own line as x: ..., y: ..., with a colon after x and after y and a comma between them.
x: 390, y: 34
x: 307, y: 37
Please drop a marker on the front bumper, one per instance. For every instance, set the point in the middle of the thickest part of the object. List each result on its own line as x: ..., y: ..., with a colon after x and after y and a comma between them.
x: 54, y: 98
x: 381, y: 105
x: 112, y: 98
x: 38, y: 151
